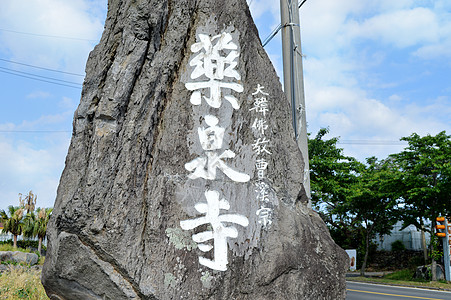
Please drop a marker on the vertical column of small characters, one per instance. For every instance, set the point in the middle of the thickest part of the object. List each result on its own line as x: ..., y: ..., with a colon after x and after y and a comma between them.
x: 261, y: 147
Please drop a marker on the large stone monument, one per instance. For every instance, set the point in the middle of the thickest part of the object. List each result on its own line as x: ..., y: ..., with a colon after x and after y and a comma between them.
x: 183, y: 179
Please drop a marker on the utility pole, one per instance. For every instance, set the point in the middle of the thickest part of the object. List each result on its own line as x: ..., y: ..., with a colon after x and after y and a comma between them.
x: 293, y: 79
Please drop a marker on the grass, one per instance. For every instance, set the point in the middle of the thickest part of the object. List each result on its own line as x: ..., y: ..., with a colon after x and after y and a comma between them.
x: 7, y: 247
x: 403, y: 277
x: 19, y: 283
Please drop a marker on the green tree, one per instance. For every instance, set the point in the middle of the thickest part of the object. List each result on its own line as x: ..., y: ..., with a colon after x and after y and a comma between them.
x: 40, y: 224
x: 373, y: 203
x: 333, y: 177
x: 28, y: 225
x: 425, y: 179
x: 12, y: 222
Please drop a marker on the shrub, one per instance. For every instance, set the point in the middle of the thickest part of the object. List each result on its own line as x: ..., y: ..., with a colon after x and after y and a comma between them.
x: 405, y: 275
x: 397, y: 246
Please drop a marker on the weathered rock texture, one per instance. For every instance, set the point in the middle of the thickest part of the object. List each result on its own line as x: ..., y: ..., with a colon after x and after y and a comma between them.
x: 115, y: 232
x: 19, y: 257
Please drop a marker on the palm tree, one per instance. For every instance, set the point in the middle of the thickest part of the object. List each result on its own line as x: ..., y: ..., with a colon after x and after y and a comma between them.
x: 28, y: 223
x: 13, y: 222
x: 40, y: 224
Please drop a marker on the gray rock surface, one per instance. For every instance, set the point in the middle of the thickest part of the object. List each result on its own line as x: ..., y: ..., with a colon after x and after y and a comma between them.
x: 425, y: 273
x: 3, y: 268
x: 6, y: 255
x: 116, y: 230
x: 19, y: 257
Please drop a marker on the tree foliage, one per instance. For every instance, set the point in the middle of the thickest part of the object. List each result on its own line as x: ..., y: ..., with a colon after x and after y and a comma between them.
x: 425, y: 177
x: 12, y: 221
x: 374, y: 203
x: 40, y: 224
x: 358, y: 201
x: 30, y: 225
x: 353, y: 198
x: 332, y: 178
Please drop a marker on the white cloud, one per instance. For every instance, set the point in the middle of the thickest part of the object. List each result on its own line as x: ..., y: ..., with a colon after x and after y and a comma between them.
x: 39, y: 95
x: 330, y: 70
x: 441, y: 48
x: 68, y: 104
x: 31, y: 168
x: 34, y: 160
x: 401, y: 28
x: 338, y: 39
x: 352, y: 115
x: 395, y: 97
x: 52, y: 18
x: 260, y: 7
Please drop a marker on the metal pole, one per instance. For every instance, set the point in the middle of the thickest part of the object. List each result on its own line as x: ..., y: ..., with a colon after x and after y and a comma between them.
x: 446, y: 251
x: 293, y: 79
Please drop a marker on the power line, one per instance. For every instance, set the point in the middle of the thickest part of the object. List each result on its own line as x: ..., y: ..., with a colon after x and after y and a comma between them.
x: 271, y: 35
x: 302, y: 3
x: 39, y: 76
x: 46, y: 35
x: 43, y: 80
x: 41, y: 68
x: 372, y: 142
x: 276, y: 30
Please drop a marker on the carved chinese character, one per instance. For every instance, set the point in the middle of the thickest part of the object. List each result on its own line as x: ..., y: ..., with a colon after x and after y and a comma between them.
x: 259, y: 90
x: 262, y: 191
x: 260, y: 125
x: 261, y: 165
x: 215, y: 67
x: 264, y: 216
x: 205, y: 167
x: 219, y: 232
x: 260, y: 146
x: 260, y: 106
x: 211, y: 138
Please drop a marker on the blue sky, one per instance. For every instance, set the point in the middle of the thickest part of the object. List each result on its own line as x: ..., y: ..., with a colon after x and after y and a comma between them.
x: 375, y: 71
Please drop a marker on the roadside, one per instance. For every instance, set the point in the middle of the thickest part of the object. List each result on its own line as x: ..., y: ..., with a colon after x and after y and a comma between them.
x: 381, y: 278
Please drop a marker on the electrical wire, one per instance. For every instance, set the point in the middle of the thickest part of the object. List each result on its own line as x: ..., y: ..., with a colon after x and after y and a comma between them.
x: 370, y: 142
x: 46, y: 35
x: 41, y: 68
x: 276, y: 30
x: 43, y: 80
x: 39, y: 76
x: 271, y: 35
x: 302, y: 3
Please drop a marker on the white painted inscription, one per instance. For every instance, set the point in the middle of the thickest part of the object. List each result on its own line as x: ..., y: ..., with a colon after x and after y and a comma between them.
x: 211, y: 64
x: 219, y: 232
x: 214, y: 77
x: 205, y: 167
x: 260, y: 147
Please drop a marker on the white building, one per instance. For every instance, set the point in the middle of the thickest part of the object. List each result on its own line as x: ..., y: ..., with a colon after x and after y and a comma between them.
x: 409, y: 236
